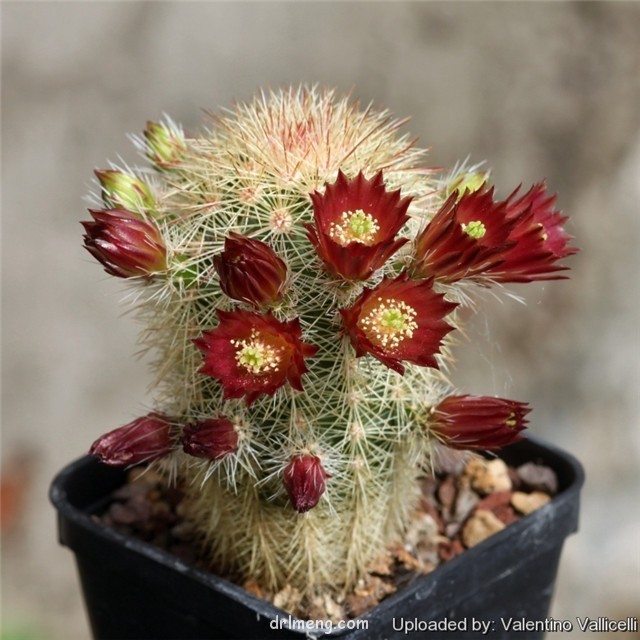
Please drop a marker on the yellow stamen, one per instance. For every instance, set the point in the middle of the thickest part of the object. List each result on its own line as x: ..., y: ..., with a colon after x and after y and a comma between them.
x: 255, y: 356
x: 355, y: 226
x: 390, y: 322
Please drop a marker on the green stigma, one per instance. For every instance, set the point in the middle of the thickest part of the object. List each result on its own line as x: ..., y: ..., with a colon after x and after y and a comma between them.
x: 355, y: 226
x: 474, y: 229
x: 389, y: 323
x: 395, y: 319
x: 255, y: 356
x: 361, y: 224
x: 251, y: 358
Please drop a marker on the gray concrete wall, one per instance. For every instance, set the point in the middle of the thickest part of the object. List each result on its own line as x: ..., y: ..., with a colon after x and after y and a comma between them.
x: 537, y: 89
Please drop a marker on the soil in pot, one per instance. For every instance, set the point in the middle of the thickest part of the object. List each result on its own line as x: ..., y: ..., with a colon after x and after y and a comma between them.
x: 460, y: 508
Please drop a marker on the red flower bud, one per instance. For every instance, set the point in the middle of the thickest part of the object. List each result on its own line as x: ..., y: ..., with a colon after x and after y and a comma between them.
x: 211, y: 439
x: 125, y: 245
x: 478, y: 422
x: 304, y: 480
x: 250, y: 270
x: 142, y: 440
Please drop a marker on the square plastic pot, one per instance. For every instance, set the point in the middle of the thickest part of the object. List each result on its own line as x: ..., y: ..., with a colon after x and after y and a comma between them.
x: 135, y: 591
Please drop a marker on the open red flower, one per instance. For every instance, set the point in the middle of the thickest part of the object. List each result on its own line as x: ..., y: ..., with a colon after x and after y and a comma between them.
x: 304, y: 481
x: 356, y: 222
x: 145, y: 439
x: 539, y: 240
x: 464, y: 239
x: 210, y: 439
x: 250, y: 270
x: 514, y: 240
x: 252, y: 354
x: 400, y: 319
x: 125, y: 245
x: 478, y: 422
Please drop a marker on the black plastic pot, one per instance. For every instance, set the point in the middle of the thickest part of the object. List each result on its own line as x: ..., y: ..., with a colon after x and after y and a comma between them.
x: 134, y: 591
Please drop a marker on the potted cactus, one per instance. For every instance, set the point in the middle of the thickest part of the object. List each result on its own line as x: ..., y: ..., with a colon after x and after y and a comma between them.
x: 301, y: 276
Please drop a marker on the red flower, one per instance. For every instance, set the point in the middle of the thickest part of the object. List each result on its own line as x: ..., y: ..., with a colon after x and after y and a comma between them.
x: 514, y: 240
x: 478, y: 422
x: 464, y: 239
x: 250, y: 270
x: 400, y: 319
x: 304, y: 480
x: 356, y: 222
x: 539, y: 240
x: 252, y: 354
x: 211, y: 439
x: 125, y: 245
x: 142, y: 440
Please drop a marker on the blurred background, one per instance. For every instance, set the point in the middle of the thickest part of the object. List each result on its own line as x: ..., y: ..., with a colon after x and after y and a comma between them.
x: 536, y: 89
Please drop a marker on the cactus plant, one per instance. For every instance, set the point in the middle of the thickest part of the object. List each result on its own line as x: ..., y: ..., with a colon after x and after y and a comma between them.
x: 300, y: 273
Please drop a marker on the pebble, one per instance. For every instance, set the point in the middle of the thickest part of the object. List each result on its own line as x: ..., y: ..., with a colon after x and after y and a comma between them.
x: 538, y: 477
x: 489, y: 476
x: 528, y: 502
x: 480, y: 526
x: 466, y: 500
x: 499, y: 503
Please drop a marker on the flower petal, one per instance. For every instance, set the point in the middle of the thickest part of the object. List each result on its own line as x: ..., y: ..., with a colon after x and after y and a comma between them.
x: 539, y: 239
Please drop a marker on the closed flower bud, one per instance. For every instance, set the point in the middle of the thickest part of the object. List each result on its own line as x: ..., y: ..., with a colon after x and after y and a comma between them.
x: 126, y: 245
x: 121, y: 189
x: 142, y: 440
x: 478, y: 422
x: 211, y: 439
x: 165, y: 144
x: 250, y: 271
x: 304, y: 480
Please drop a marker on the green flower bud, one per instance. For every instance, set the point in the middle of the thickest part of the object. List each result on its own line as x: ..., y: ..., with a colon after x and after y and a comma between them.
x: 122, y: 190
x: 165, y: 145
x: 467, y: 182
